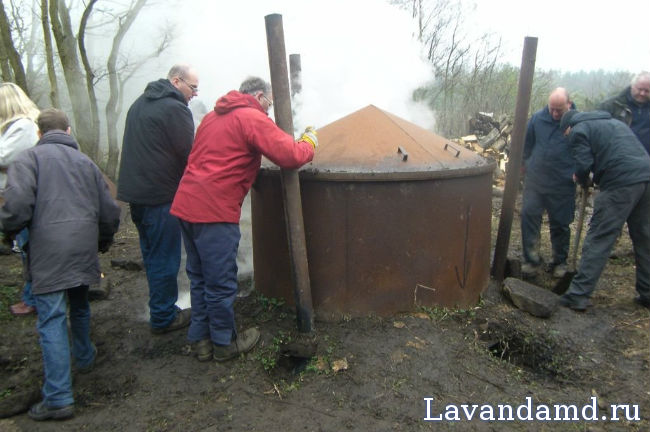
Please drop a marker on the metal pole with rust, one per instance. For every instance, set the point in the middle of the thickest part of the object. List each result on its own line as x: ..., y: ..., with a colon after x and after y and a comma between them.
x: 289, y: 178
x: 514, y: 158
x: 295, y: 71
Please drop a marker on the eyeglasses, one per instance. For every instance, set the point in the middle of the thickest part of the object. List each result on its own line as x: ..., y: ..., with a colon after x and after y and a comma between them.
x: 192, y: 87
x: 268, y: 101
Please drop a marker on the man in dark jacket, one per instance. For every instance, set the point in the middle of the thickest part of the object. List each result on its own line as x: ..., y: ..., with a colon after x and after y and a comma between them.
x: 632, y: 107
x: 157, y: 140
x: 548, y: 185
x: 621, y: 168
x: 60, y: 194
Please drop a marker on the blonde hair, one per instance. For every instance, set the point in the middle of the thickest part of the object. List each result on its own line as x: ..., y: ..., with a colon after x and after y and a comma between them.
x: 15, y: 104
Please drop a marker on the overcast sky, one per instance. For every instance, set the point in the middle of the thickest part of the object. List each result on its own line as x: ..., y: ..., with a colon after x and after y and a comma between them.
x: 360, y: 52
x: 573, y: 34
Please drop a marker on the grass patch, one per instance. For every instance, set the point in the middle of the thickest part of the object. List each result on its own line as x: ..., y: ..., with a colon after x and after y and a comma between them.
x: 439, y: 313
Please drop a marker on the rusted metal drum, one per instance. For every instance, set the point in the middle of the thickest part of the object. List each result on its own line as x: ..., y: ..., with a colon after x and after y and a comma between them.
x: 395, y: 217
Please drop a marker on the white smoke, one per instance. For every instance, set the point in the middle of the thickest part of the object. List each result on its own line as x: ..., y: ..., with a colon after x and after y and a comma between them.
x: 353, y: 54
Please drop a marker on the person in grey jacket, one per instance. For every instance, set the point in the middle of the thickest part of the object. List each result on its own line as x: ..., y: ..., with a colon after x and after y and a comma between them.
x: 608, y: 149
x: 60, y: 194
x: 632, y: 107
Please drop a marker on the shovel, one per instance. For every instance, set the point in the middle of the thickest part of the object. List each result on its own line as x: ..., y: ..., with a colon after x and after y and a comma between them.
x: 563, y: 284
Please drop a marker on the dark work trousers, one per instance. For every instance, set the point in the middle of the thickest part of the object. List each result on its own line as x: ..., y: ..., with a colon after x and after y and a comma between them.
x: 560, y: 208
x: 212, y: 269
x: 612, y: 208
x: 160, y: 243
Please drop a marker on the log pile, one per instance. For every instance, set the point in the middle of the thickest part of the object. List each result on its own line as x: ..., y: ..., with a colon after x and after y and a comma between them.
x: 489, y: 137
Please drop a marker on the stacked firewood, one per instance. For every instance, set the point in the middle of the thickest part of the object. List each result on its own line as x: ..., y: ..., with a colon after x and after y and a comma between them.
x: 489, y: 137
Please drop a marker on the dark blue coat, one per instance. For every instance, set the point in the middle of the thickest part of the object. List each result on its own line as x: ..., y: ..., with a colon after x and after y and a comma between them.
x: 158, y: 137
x: 547, y: 158
x: 609, y: 149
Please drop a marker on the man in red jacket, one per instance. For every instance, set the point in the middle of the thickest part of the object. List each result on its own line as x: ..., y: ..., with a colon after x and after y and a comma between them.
x: 222, y: 166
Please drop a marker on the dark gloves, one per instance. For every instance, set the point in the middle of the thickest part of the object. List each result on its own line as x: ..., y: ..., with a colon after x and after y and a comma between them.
x: 104, y: 244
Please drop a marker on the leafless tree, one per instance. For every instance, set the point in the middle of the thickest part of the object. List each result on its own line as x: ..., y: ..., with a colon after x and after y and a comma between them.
x: 49, y: 55
x: 12, y: 66
x: 66, y: 49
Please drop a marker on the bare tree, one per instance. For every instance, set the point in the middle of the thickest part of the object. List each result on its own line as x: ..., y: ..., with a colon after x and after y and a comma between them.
x: 12, y: 66
x: 49, y: 55
x: 86, y: 131
x: 82, y: 70
x: 114, y: 103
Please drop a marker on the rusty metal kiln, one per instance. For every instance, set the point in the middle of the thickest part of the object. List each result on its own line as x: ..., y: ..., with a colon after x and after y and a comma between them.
x: 395, y: 217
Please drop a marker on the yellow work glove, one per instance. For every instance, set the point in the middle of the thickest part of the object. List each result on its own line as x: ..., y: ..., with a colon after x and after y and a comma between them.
x: 310, y: 136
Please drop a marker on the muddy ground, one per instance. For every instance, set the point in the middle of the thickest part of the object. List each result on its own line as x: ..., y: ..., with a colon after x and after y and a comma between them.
x: 368, y: 374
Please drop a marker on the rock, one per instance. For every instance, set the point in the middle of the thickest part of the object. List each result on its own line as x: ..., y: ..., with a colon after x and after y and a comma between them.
x: 127, y: 264
x: 531, y: 298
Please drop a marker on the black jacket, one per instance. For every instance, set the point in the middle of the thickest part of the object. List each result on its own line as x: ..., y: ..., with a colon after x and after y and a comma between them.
x: 61, y: 196
x: 607, y: 148
x: 158, y: 137
x: 624, y: 108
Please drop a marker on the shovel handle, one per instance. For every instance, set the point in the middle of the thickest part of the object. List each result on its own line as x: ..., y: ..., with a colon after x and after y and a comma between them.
x: 584, y: 196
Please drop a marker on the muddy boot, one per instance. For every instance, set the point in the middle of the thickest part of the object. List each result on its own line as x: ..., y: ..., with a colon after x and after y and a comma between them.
x: 244, y: 343
x: 202, y: 349
x: 22, y: 308
x: 559, y: 271
x: 530, y: 270
x: 40, y: 412
x: 645, y: 302
x: 182, y: 320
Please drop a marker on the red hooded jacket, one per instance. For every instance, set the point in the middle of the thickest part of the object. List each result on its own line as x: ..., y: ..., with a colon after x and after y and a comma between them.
x: 226, y: 157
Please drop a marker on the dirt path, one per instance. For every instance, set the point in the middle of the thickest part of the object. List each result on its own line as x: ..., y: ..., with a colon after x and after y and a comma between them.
x: 369, y: 374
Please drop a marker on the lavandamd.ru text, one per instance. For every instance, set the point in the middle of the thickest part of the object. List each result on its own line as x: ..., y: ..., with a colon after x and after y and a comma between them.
x: 528, y: 411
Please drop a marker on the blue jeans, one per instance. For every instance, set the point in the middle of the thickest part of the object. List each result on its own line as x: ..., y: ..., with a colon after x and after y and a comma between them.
x: 22, y: 239
x: 53, y: 331
x: 212, y: 269
x: 560, y: 208
x: 612, y: 208
x: 160, y: 243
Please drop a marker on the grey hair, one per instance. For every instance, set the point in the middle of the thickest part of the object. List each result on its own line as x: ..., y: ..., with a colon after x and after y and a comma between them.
x: 252, y: 85
x: 641, y: 76
x: 180, y: 70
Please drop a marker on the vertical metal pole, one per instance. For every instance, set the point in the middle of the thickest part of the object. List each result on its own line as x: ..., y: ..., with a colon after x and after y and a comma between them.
x: 289, y: 178
x: 295, y: 70
x: 514, y: 158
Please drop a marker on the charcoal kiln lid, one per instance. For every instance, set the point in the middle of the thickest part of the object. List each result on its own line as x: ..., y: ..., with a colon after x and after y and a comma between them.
x: 372, y: 144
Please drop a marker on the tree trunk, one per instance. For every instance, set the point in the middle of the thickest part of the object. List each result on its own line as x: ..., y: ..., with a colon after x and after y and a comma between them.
x: 112, y: 110
x: 5, y: 67
x: 13, y: 57
x: 90, y: 81
x: 49, y: 55
x: 74, y: 77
